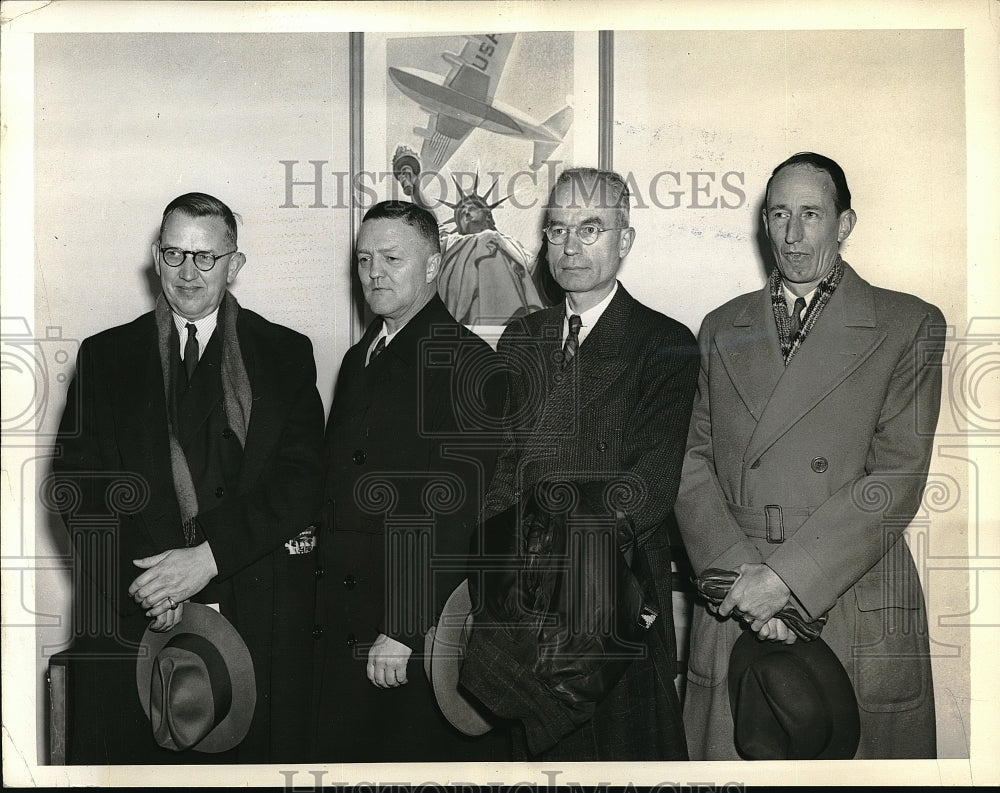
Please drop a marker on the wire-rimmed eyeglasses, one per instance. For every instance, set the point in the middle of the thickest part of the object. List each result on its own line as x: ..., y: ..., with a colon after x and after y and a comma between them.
x: 587, y: 233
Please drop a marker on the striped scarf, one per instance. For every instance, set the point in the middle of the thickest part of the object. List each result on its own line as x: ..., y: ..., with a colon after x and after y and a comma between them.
x: 824, y: 291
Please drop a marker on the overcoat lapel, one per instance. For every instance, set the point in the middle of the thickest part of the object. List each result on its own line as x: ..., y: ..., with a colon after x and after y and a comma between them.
x: 271, y: 401
x: 843, y: 338
x: 751, y: 352
x: 596, y: 366
x: 398, y: 370
x: 141, y: 419
x: 352, y: 396
x: 599, y: 360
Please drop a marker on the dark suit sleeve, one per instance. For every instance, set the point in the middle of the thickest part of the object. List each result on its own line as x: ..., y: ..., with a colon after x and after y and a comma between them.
x: 90, y: 481
x: 656, y: 433
x: 500, y: 493
x: 285, y: 498
x: 78, y: 446
x: 860, y: 523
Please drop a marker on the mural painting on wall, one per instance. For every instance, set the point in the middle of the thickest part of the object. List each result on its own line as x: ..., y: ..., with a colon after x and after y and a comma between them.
x: 476, y: 133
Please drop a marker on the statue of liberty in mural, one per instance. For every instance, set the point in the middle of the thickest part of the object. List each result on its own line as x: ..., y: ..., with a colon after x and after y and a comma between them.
x: 487, y: 277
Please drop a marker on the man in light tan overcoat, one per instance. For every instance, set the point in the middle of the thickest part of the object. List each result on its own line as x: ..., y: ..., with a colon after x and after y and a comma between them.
x: 808, y: 451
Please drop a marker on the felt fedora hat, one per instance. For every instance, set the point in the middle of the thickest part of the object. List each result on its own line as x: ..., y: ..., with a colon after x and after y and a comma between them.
x: 791, y: 701
x: 444, y: 651
x: 196, y: 682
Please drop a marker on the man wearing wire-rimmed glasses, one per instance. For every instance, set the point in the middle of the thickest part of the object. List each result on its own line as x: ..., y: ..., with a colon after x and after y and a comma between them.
x: 213, y: 412
x: 600, y: 389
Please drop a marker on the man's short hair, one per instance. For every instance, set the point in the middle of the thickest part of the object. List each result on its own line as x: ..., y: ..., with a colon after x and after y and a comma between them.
x: 412, y: 215
x: 605, y: 188
x: 202, y: 205
x: 842, y: 194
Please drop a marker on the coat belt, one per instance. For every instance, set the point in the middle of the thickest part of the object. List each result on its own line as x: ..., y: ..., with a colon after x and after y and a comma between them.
x: 773, y: 522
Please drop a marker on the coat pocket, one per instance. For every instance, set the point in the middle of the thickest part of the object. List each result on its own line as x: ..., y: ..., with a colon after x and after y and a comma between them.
x: 891, y: 656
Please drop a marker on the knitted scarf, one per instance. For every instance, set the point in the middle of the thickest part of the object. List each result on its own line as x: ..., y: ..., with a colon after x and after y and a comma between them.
x: 236, y: 399
x: 824, y: 291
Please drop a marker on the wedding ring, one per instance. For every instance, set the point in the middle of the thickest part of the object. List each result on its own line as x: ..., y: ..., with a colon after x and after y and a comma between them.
x: 170, y: 600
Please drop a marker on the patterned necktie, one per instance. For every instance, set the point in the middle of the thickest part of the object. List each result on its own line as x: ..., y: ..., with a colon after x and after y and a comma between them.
x: 191, y: 351
x: 379, y: 346
x: 795, y: 321
x: 572, y: 340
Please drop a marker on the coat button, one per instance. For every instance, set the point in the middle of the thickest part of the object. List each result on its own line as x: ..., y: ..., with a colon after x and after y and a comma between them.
x: 359, y: 456
x: 602, y: 447
x: 227, y: 433
x: 755, y: 464
x: 819, y: 464
x: 318, y: 572
x: 517, y: 493
x: 350, y: 582
x: 220, y: 492
x: 317, y: 632
x: 351, y: 640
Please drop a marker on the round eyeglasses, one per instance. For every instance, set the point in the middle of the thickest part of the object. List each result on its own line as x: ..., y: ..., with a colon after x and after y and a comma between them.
x: 587, y: 233
x: 203, y: 260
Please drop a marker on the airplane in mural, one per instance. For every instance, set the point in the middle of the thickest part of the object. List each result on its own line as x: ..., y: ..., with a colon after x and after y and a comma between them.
x: 462, y: 101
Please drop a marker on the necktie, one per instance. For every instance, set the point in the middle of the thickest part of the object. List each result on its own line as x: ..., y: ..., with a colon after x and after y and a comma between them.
x: 379, y: 346
x: 572, y: 340
x: 191, y: 350
x: 795, y: 321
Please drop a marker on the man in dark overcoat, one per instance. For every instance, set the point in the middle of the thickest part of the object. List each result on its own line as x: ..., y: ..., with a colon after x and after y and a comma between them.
x: 810, y: 442
x: 200, y: 426
x: 409, y: 439
x: 600, y: 387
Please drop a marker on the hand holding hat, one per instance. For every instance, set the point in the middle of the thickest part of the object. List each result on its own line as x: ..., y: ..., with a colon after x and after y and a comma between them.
x: 196, y: 683
x: 172, y: 577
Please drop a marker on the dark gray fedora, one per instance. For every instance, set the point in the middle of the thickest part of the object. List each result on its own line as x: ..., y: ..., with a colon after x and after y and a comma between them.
x: 791, y: 701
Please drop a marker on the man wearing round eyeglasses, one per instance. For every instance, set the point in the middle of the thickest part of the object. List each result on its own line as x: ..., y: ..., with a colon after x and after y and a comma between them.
x: 600, y: 390
x: 212, y: 413
x: 194, y: 278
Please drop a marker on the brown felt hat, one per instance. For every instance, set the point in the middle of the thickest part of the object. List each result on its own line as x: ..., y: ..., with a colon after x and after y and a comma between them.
x: 196, y: 682
x: 444, y: 653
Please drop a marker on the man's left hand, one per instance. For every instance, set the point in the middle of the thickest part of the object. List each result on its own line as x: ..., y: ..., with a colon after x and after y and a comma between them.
x: 387, y: 662
x: 759, y: 594
x: 775, y: 630
x: 168, y: 620
x: 172, y: 577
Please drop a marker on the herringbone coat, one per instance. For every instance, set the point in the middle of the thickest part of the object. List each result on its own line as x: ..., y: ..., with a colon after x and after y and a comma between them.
x: 619, y: 411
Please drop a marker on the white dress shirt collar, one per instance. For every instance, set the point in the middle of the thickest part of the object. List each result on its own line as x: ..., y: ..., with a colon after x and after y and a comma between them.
x: 589, y: 317
x: 790, y: 297
x: 205, y: 326
x: 382, y: 334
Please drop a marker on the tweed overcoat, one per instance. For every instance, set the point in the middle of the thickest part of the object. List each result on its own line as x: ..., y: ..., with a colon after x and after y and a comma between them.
x: 816, y: 469
x: 619, y: 411
x: 113, y: 451
x: 411, y: 442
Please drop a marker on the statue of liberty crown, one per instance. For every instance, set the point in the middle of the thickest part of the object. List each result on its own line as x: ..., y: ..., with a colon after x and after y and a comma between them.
x: 472, y: 197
